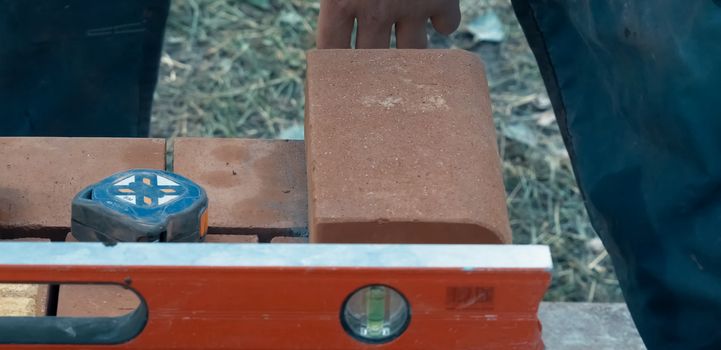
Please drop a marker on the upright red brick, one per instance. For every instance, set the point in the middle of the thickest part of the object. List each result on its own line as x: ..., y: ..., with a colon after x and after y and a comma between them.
x: 40, y: 176
x: 401, y: 148
x: 253, y: 186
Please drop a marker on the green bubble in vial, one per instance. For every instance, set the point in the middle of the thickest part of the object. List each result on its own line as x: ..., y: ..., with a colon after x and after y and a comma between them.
x: 376, y: 307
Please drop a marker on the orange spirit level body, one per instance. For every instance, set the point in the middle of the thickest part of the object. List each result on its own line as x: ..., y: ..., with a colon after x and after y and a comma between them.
x: 262, y: 296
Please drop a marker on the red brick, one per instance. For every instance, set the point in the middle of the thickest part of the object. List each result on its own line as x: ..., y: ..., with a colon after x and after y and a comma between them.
x: 289, y: 240
x: 24, y: 300
x: 28, y: 239
x: 231, y: 239
x: 40, y: 176
x: 253, y: 186
x: 402, y: 149
x: 95, y: 301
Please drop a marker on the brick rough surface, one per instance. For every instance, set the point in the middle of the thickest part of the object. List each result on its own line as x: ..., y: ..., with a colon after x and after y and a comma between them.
x: 231, y: 239
x: 401, y: 148
x: 24, y: 300
x: 289, y: 240
x: 96, y: 301
x: 253, y: 186
x: 40, y: 176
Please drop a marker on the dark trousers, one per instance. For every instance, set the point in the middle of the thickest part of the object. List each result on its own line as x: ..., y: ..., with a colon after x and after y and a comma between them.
x: 79, y: 67
x: 636, y: 86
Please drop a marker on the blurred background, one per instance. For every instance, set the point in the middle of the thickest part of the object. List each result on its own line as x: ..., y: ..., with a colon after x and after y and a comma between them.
x: 236, y: 68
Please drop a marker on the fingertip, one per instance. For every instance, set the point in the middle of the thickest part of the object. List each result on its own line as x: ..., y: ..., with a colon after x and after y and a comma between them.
x: 448, y: 22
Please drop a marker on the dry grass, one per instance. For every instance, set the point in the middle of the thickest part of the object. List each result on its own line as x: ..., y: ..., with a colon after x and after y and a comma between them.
x: 235, y: 68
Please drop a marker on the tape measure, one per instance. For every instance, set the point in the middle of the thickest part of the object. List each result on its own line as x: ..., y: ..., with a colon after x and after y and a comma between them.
x: 141, y: 206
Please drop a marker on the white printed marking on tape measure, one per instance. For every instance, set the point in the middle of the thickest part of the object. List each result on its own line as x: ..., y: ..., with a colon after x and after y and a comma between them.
x: 166, y: 199
x: 126, y: 181
x: 128, y: 198
x: 162, y: 181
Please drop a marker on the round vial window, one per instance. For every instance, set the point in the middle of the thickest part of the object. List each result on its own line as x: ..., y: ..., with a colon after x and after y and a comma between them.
x: 376, y: 314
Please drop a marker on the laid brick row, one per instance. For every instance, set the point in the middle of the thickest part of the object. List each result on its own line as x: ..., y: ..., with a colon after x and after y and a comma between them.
x: 255, y: 187
x: 40, y: 176
x: 258, y: 187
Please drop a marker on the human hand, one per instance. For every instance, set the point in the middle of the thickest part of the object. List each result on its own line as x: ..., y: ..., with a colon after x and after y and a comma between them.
x: 376, y: 19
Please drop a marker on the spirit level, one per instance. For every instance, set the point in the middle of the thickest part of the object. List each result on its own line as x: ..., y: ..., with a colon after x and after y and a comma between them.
x: 262, y: 296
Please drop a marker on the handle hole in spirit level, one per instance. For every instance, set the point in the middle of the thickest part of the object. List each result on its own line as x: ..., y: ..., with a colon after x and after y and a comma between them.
x: 376, y: 314
x: 89, y: 314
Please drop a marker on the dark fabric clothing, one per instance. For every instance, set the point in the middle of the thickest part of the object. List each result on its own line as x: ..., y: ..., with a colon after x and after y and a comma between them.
x: 79, y: 67
x: 636, y: 87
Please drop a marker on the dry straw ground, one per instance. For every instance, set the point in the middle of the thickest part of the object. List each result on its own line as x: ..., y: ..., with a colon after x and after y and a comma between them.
x: 235, y: 68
